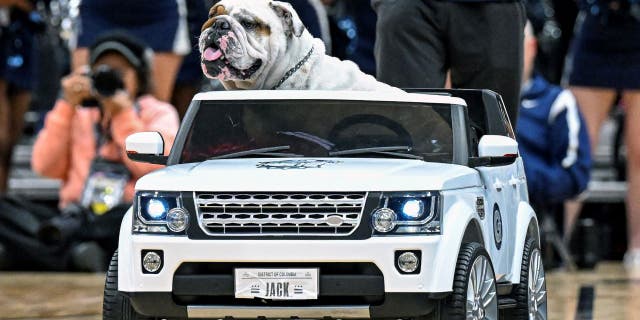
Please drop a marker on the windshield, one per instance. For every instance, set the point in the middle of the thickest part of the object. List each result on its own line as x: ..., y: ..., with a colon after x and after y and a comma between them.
x: 311, y: 128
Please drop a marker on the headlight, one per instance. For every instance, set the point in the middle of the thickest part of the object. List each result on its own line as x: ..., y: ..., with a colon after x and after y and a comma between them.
x: 407, y: 213
x: 156, y: 209
x: 159, y: 212
x: 413, y: 208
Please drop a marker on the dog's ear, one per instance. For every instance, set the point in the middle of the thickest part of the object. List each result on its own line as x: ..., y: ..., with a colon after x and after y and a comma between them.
x: 293, y: 24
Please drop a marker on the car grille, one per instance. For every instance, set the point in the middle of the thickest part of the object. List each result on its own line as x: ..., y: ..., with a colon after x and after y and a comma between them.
x: 279, y: 214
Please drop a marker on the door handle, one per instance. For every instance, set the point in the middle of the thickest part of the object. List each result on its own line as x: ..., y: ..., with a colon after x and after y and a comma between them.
x: 498, y: 185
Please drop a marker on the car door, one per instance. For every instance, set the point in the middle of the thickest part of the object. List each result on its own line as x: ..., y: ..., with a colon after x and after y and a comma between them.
x: 500, y: 214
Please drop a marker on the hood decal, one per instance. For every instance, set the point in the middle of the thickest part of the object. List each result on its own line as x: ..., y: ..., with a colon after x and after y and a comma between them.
x: 296, y: 164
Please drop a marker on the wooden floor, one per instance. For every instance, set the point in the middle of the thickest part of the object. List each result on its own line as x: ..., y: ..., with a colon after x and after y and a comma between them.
x: 605, y: 293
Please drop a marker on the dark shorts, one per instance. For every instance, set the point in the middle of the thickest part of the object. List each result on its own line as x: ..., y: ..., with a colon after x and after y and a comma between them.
x: 606, y: 55
x: 160, y: 24
x: 190, y: 72
x: 17, y: 55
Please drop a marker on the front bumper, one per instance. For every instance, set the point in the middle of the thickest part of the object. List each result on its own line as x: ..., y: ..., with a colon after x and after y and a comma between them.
x: 383, y: 293
x: 395, y: 305
x: 380, y: 251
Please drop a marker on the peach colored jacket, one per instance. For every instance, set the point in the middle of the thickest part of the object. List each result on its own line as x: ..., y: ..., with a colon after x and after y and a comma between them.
x: 66, y: 146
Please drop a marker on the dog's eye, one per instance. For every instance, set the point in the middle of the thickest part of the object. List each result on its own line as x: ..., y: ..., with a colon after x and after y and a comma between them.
x: 248, y: 24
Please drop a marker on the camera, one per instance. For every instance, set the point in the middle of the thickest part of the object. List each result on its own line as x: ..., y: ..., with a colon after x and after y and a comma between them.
x: 106, y: 80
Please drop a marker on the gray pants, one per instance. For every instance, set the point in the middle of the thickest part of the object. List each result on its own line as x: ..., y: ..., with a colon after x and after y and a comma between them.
x: 418, y: 41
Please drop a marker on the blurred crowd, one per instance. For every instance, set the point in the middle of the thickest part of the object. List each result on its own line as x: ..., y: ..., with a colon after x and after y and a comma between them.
x: 96, y: 71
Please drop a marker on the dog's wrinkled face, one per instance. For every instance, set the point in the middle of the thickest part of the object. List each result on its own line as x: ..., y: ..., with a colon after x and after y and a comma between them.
x: 239, y: 39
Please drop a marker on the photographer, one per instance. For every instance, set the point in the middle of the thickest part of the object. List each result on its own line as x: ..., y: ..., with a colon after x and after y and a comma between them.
x: 73, y: 136
x: 604, y: 65
x: 85, y: 146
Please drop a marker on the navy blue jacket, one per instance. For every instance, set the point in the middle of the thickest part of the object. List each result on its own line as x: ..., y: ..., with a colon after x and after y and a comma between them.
x: 553, y: 142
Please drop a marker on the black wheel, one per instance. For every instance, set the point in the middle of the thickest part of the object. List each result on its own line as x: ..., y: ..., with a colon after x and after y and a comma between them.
x: 474, y: 287
x: 531, y: 292
x: 115, y: 306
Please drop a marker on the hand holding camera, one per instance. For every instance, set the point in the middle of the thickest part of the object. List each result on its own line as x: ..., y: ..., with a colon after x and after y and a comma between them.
x: 76, y: 87
x: 104, y: 85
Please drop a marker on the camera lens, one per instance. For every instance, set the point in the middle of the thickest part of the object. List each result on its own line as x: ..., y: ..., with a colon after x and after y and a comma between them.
x: 106, y: 81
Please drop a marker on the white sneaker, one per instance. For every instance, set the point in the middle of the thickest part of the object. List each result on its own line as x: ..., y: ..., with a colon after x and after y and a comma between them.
x: 632, y: 260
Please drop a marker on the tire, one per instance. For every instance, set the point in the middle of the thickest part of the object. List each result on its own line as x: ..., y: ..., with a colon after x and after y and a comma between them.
x: 116, y: 306
x: 532, y: 269
x: 473, y: 261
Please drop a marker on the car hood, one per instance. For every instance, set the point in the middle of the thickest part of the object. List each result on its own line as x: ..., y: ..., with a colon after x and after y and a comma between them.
x: 310, y: 174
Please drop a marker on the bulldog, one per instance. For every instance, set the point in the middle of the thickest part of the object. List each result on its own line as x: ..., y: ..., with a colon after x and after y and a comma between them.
x: 263, y: 44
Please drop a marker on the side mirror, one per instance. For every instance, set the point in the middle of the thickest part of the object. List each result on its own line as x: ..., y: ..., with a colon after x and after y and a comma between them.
x: 497, y: 146
x: 146, y: 147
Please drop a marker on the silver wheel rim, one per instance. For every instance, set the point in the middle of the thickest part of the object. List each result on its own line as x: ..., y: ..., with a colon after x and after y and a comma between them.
x: 482, y: 302
x: 537, y: 288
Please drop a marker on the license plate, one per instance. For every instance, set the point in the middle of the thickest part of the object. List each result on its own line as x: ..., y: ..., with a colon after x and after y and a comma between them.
x: 276, y: 284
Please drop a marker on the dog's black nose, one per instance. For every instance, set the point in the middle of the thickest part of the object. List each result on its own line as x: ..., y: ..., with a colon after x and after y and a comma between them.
x: 221, y: 24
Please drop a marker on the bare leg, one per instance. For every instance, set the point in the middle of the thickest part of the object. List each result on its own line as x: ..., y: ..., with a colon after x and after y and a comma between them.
x: 595, y: 104
x: 5, y: 136
x: 20, y: 102
x: 12, y: 110
x: 632, y: 131
x: 165, y: 70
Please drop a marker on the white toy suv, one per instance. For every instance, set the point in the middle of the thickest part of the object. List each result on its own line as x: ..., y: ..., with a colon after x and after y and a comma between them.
x: 314, y: 204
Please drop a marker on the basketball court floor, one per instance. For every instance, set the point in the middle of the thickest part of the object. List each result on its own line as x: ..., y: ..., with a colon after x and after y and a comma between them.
x: 607, y: 292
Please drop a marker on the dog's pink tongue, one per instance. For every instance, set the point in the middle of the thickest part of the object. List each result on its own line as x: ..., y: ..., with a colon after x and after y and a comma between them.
x: 212, y: 55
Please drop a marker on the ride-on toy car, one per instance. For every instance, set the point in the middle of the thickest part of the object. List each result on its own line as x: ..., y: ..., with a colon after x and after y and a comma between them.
x: 309, y: 204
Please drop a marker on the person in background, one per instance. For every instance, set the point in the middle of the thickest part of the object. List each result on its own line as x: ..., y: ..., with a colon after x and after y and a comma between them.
x: 550, y: 54
x: 353, y: 32
x: 190, y: 78
x: 162, y: 24
x: 479, y: 41
x: 119, y: 80
x: 314, y: 16
x: 19, y: 24
x: 605, y: 62
x: 83, y: 144
x: 552, y: 137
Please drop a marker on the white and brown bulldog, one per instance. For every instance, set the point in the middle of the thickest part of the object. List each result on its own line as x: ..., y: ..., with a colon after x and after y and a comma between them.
x: 262, y: 44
